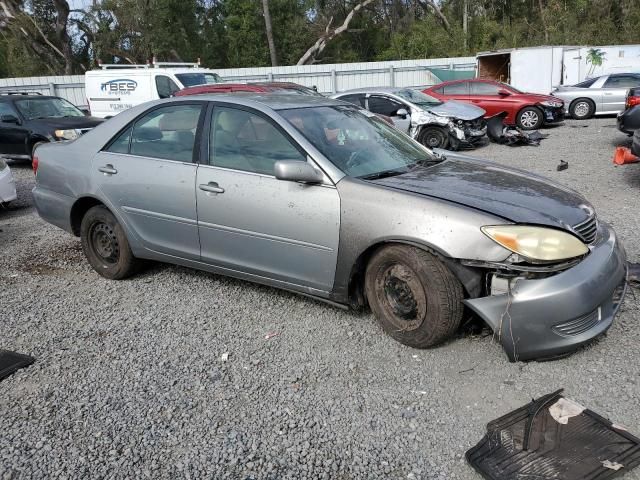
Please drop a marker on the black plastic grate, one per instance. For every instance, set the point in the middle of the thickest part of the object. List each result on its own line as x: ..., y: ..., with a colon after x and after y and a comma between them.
x: 529, y: 443
x: 588, y: 229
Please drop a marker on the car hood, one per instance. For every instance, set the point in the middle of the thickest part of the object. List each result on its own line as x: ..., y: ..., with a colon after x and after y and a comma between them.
x: 459, y: 110
x: 63, y: 123
x: 512, y: 194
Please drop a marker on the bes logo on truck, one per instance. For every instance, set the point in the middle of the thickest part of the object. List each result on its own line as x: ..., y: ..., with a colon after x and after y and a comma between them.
x: 122, y: 86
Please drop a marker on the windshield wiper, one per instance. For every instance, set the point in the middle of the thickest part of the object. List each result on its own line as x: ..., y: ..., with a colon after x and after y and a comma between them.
x: 383, y: 174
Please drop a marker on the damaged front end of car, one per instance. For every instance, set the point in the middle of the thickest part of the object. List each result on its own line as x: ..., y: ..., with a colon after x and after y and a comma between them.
x: 544, y: 310
x: 460, y: 133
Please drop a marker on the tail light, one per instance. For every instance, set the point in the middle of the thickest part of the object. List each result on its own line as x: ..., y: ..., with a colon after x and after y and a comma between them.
x: 34, y: 164
x: 632, y: 101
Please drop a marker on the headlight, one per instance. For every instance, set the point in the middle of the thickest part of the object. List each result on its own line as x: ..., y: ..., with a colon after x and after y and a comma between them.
x: 66, y: 134
x: 551, y: 103
x: 536, y: 243
x: 3, y: 164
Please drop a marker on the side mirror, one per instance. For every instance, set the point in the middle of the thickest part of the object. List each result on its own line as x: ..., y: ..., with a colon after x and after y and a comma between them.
x: 297, y: 171
x: 504, y: 93
x: 402, y: 113
x: 9, y: 119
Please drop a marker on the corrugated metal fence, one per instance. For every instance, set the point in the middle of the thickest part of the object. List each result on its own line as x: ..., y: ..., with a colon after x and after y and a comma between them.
x: 329, y: 78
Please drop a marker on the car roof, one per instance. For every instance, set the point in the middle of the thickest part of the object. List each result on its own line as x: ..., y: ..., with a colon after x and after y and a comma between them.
x: 275, y: 101
x: 375, y: 90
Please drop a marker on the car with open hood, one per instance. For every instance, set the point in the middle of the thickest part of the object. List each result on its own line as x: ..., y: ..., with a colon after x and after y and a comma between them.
x: 27, y: 119
x: 529, y: 111
x: 435, y: 124
x: 320, y: 197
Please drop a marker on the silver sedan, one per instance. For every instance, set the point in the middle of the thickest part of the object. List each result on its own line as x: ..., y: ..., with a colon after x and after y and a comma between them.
x: 597, y: 96
x: 320, y: 197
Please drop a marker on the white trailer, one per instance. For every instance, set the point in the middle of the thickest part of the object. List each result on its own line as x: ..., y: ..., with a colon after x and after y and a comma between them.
x: 539, y: 69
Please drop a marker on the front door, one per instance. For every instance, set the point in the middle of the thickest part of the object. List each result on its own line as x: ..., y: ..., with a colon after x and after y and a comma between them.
x: 148, y: 176
x: 385, y: 105
x: 614, y: 91
x: 251, y: 222
x: 13, y: 136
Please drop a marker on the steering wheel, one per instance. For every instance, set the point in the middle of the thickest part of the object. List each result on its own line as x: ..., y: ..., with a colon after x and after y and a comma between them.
x: 358, y: 157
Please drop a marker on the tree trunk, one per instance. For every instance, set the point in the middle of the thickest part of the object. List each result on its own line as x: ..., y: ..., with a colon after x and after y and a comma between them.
x: 62, y: 8
x: 465, y: 23
x: 329, y: 34
x: 544, y: 22
x: 267, y: 25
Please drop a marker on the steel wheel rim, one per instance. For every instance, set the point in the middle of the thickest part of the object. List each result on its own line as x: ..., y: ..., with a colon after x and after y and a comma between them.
x: 581, y: 109
x: 434, y: 140
x: 403, y: 297
x: 529, y: 119
x: 104, y: 243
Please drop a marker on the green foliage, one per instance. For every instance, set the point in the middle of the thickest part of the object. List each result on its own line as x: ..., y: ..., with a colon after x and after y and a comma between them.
x: 231, y: 33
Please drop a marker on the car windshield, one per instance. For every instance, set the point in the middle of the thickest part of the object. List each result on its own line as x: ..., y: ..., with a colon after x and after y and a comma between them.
x: 357, y: 142
x: 33, y: 108
x: 418, y: 98
x: 198, y: 78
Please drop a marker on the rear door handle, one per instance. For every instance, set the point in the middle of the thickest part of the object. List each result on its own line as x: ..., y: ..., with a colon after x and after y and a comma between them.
x: 108, y: 169
x: 211, y: 187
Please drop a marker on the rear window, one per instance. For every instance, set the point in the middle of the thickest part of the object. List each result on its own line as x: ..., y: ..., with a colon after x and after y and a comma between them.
x: 586, y: 83
x: 198, y: 78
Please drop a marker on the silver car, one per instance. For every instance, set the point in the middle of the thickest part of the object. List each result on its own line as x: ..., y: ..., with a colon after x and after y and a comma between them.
x: 597, y: 96
x: 320, y: 197
x: 433, y: 123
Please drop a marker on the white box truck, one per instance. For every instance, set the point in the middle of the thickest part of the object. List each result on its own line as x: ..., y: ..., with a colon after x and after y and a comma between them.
x: 114, y: 88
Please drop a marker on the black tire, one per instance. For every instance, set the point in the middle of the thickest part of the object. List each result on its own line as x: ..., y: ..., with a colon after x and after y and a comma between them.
x: 582, y: 108
x: 105, y: 245
x: 434, y: 137
x: 530, y: 118
x: 414, y: 296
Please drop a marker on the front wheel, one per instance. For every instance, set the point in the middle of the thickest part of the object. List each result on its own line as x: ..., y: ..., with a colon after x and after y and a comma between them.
x: 433, y: 137
x: 582, y: 109
x: 530, y: 118
x: 105, y: 245
x: 415, y: 297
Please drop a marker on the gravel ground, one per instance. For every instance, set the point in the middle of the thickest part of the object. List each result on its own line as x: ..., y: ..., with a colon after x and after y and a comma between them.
x: 131, y: 382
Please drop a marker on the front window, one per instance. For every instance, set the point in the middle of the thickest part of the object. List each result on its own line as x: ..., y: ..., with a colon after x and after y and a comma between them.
x: 418, y: 98
x: 357, y: 142
x: 34, y: 108
x: 198, y: 78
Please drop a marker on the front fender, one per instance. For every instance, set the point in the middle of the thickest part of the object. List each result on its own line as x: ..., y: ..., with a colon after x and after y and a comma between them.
x: 372, y: 214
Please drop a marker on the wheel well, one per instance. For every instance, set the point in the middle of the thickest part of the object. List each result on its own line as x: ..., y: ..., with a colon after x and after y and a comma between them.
x: 470, y: 278
x: 78, y: 211
x: 585, y: 99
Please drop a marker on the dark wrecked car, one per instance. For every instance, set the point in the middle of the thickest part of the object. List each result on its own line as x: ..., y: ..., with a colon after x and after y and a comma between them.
x: 320, y: 197
x: 435, y: 124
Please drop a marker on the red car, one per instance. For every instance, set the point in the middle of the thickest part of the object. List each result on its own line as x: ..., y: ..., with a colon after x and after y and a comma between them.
x: 528, y: 111
x: 248, y: 87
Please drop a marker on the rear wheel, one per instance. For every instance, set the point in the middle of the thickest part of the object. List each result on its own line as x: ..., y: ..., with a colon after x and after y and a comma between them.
x: 415, y: 297
x: 105, y: 245
x: 530, y: 118
x: 433, y: 137
x: 582, y: 108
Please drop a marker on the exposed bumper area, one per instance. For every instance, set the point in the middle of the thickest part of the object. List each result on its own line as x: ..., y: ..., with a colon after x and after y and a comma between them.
x: 553, y: 316
x: 53, y: 207
x: 629, y: 120
x: 553, y: 115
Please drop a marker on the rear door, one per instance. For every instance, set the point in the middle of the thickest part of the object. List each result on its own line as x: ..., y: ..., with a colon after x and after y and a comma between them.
x: 147, y: 174
x: 251, y: 222
x: 385, y: 105
x: 13, y: 136
x: 614, y: 91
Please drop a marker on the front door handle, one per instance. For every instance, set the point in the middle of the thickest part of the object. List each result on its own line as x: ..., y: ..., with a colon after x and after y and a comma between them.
x: 211, y: 187
x: 108, y: 169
